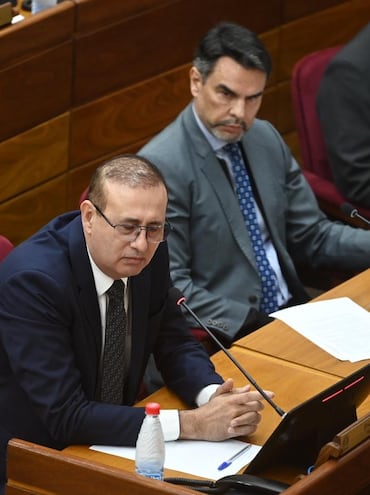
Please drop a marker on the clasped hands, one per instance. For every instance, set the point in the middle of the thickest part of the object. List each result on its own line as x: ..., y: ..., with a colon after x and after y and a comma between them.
x: 231, y: 412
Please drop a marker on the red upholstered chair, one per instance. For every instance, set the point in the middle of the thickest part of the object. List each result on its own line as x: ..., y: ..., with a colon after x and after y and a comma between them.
x: 84, y: 194
x: 5, y: 247
x: 306, y: 77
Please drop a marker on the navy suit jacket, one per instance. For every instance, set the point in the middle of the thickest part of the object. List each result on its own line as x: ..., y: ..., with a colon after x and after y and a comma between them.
x: 50, y: 342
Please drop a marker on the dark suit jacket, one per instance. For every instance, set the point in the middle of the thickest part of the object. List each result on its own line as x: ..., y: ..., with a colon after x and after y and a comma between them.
x: 212, y: 260
x: 343, y: 106
x: 50, y: 342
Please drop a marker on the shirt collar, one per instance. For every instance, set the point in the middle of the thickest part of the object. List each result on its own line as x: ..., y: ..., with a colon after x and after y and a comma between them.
x: 102, y: 281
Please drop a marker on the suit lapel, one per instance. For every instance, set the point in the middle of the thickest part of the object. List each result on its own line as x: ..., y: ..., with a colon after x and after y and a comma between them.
x: 85, y: 286
x: 215, y: 175
x: 264, y: 187
x: 139, y: 294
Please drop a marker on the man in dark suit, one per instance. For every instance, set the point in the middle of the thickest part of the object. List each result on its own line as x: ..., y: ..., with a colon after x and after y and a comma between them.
x: 343, y: 106
x: 53, y: 310
x: 213, y: 258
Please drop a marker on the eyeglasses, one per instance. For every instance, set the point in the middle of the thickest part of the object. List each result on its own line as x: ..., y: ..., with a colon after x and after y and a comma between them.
x: 154, y: 233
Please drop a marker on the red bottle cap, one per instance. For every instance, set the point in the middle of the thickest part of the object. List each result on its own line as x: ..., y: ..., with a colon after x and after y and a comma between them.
x: 152, y: 408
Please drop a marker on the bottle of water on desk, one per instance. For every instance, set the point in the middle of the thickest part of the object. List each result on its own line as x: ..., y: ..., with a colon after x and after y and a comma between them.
x: 150, y: 450
x: 39, y: 5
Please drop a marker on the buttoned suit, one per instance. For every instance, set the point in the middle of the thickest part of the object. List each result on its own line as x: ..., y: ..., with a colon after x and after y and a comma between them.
x: 211, y: 257
x: 51, y: 339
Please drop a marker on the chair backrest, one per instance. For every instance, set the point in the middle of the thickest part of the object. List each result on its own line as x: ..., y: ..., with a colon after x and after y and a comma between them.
x: 5, y: 247
x: 306, y: 77
x: 84, y: 195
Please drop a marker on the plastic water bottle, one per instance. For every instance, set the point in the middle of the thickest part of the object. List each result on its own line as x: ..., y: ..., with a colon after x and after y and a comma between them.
x: 39, y: 5
x: 150, y: 449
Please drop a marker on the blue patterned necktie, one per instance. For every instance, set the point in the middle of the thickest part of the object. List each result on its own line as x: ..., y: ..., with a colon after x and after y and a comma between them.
x: 112, y: 379
x: 247, y: 206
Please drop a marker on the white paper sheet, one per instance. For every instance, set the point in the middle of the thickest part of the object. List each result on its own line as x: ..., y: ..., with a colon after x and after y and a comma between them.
x: 339, y: 326
x: 196, y: 457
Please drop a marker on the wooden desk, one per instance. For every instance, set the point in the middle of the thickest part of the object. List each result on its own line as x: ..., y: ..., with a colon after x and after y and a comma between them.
x: 292, y: 385
x: 279, y: 340
x: 279, y: 359
x: 37, y: 470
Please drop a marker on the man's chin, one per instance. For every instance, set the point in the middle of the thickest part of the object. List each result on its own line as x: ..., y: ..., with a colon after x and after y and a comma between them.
x: 230, y: 136
x: 132, y: 269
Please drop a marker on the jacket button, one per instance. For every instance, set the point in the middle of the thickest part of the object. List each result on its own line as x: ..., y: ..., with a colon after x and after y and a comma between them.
x: 252, y: 299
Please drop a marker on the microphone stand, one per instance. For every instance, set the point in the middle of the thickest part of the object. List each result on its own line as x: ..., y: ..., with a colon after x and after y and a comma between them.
x: 181, y: 302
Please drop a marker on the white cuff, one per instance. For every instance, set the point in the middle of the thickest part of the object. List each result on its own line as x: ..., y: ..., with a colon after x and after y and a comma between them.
x: 170, y: 423
x: 205, y: 394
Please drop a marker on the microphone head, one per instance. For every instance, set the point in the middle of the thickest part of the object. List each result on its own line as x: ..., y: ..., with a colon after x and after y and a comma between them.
x: 348, y: 209
x: 175, y: 293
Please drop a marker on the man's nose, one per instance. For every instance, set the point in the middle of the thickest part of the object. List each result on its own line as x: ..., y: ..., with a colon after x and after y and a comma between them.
x: 238, y: 109
x: 141, y: 240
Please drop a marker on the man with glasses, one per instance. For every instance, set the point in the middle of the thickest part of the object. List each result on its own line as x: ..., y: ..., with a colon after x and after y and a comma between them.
x: 62, y: 381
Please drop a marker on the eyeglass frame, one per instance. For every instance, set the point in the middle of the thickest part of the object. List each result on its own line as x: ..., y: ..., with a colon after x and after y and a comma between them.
x: 148, y: 228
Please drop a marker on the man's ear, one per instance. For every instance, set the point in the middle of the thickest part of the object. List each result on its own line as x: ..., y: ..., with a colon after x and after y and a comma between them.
x: 196, y: 81
x: 87, y: 213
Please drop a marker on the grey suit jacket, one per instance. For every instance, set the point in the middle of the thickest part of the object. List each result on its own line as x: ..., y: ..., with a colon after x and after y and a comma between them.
x: 211, y: 257
x: 343, y: 105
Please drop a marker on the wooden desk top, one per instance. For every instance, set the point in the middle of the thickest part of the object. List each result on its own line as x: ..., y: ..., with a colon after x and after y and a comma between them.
x: 279, y: 359
x: 279, y: 340
x: 292, y: 385
x: 20, y: 10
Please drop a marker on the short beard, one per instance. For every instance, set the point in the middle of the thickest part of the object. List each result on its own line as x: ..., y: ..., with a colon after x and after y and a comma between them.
x: 225, y: 137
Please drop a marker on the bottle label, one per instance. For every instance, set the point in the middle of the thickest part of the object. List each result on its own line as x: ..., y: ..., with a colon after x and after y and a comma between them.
x: 157, y: 475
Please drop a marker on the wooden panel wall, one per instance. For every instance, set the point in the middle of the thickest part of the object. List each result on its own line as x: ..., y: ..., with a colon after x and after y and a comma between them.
x: 87, y: 79
x: 36, y: 69
x: 132, y: 49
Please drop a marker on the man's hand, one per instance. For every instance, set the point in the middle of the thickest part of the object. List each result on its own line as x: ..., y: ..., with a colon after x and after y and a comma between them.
x: 231, y: 412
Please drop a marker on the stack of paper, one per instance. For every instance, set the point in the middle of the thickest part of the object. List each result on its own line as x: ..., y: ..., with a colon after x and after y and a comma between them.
x: 339, y: 326
x: 196, y: 457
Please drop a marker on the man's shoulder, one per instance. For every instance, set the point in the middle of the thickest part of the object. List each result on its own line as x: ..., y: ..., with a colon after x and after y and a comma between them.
x: 58, y: 231
x: 172, y: 137
x: 48, y: 247
x: 260, y: 125
x: 261, y: 129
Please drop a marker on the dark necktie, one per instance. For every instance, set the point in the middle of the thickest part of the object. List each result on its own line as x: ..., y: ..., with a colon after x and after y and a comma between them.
x: 112, y: 379
x: 245, y: 195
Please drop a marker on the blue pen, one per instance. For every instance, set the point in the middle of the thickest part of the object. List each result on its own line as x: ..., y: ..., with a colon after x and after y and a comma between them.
x: 227, y: 463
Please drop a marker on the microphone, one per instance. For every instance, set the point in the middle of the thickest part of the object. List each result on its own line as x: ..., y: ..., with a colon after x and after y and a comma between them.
x: 351, y: 211
x: 180, y: 301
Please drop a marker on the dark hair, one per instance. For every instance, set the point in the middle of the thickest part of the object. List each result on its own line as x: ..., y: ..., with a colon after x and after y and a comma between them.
x: 231, y: 40
x: 131, y: 170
